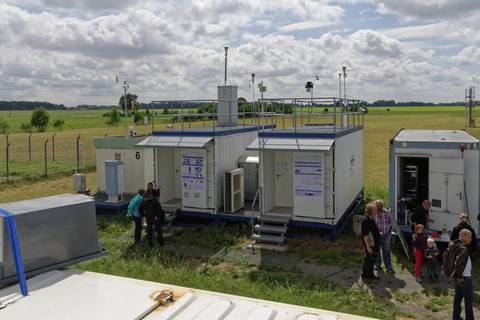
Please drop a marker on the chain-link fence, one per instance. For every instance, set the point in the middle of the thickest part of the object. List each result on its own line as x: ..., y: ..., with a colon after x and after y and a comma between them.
x: 29, y: 156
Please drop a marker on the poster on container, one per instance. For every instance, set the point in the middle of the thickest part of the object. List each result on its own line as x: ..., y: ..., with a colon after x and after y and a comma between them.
x: 194, y: 179
x: 309, y: 182
x: 308, y: 174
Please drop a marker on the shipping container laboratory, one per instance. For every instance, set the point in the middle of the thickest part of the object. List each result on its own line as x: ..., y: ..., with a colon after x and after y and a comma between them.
x: 439, y: 165
x: 311, y: 175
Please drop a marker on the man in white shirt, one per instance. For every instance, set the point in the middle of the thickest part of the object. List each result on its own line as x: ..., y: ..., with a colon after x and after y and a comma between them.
x: 463, y: 278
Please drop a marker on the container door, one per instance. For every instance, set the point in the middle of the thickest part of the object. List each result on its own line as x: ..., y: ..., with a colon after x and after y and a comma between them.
x: 309, y: 184
x: 447, y: 192
x: 283, y: 179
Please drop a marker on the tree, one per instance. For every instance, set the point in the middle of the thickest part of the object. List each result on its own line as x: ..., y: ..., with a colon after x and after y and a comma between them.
x: 132, y: 102
x: 26, y: 127
x: 113, y: 117
x: 58, y: 124
x: 4, y: 126
x: 40, y: 119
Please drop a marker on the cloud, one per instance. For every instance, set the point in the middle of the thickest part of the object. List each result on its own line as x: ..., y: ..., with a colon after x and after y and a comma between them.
x: 89, y: 4
x: 430, y: 9
x: 374, y: 43
x: 468, y: 56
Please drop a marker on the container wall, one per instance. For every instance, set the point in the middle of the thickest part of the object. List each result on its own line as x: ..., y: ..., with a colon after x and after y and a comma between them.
x: 228, y: 150
x: 349, y: 170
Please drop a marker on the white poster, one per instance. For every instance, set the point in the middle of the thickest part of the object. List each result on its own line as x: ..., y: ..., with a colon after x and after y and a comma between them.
x: 193, y: 178
x: 309, y: 175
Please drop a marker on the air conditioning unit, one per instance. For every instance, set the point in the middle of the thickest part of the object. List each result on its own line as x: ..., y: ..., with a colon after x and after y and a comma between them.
x: 233, y: 188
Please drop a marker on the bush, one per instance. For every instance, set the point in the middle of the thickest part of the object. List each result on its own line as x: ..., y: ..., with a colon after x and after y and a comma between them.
x: 4, y: 126
x: 58, y: 124
x: 113, y: 117
x: 40, y: 119
x: 138, y: 117
x: 26, y: 127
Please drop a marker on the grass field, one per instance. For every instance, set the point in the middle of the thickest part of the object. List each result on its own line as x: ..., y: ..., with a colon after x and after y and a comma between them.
x: 192, y: 258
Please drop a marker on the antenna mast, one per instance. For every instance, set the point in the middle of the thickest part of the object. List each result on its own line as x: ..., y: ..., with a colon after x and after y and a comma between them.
x: 226, y: 57
x: 470, y: 104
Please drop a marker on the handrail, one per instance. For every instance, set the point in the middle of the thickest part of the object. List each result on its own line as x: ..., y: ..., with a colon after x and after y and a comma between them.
x: 16, y: 251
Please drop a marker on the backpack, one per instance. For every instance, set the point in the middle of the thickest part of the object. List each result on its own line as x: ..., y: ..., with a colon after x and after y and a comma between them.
x: 448, y: 266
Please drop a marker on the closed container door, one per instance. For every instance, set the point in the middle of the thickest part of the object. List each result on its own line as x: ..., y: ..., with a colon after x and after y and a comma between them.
x: 447, y: 192
x: 283, y: 179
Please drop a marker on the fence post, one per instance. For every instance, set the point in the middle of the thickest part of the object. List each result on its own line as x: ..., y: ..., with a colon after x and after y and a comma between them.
x: 8, y: 158
x: 45, y: 157
x: 30, y: 147
x: 53, y: 147
x: 78, y: 153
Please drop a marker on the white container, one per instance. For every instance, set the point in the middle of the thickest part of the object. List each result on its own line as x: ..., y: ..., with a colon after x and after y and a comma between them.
x: 315, y: 179
x: 137, y: 161
x: 190, y: 164
x: 439, y: 165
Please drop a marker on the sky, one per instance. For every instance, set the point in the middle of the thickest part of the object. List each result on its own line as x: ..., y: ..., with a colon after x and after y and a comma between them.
x: 70, y: 51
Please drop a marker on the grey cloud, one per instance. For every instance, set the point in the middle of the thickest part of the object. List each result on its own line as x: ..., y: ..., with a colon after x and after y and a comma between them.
x: 374, y: 43
x: 430, y: 9
x: 89, y: 4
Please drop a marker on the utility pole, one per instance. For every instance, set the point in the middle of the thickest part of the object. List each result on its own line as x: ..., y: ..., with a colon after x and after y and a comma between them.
x: 226, y: 57
x: 125, y: 87
x: 340, y: 85
x: 345, y: 85
x: 253, y: 95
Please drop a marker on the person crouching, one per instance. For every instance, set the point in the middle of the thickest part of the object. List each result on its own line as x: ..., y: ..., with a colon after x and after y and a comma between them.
x: 154, y: 214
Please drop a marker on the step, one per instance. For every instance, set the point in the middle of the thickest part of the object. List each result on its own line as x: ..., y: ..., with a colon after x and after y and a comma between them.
x: 277, y: 219
x: 268, y: 228
x: 268, y: 238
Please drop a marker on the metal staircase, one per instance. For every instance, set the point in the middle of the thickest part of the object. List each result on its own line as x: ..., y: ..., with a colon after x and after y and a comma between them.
x: 271, y: 229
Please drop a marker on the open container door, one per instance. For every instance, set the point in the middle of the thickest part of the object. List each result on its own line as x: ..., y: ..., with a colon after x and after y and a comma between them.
x: 447, y: 192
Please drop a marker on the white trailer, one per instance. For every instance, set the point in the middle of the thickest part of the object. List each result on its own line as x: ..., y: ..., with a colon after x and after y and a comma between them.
x: 439, y: 165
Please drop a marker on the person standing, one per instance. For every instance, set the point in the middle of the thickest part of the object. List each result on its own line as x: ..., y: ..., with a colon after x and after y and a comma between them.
x: 464, y: 224
x: 419, y: 244
x: 371, y: 242
x: 154, y: 215
x: 384, y: 224
x: 134, y: 211
x: 463, y: 277
x: 420, y: 216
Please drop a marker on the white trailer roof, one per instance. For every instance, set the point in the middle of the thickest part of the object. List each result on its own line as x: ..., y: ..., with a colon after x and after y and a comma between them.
x: 458, y: 136
x: 84, y: 295
x: 175, y: 141
x: 292, y: 144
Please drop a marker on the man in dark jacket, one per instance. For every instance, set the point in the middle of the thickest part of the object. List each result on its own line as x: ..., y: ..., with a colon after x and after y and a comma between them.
x: 154, y: 215
x: 463, y: 224
x: 463, y: 277
x: 420, y: 215
x: 371, y: 242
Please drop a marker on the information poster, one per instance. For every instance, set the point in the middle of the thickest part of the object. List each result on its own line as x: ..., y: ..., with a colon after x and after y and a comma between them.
x: 308, y: 174
x: 193, y: 178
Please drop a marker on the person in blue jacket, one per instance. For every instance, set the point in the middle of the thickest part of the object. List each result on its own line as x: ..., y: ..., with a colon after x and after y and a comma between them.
x: 133, y: 211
